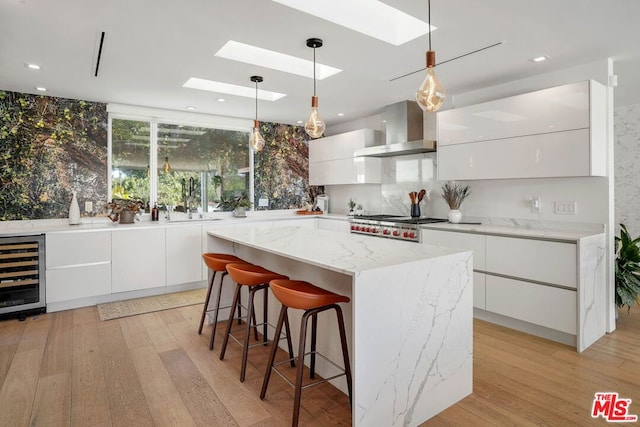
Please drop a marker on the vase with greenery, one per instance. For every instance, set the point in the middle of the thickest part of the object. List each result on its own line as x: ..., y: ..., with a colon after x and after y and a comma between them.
x: 454, y: 195
x: 352, y: 205
x: 627, y: 269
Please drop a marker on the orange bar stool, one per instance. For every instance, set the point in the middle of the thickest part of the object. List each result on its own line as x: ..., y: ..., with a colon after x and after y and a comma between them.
x: 255, y: 278
x: 313, y: 300
x: 218, y: 264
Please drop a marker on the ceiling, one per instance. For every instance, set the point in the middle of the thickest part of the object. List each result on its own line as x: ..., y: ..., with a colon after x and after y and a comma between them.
x: 153, y: 46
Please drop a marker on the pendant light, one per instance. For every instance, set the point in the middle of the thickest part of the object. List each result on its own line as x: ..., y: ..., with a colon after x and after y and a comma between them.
x: 314, y: 125
x: 166, y: 168
x: 256, y: 140
x: 431, y: 93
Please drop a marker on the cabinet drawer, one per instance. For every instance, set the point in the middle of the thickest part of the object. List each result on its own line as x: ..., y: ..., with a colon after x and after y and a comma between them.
x: 479, y: 290
x: 544, y: 261
x: 184, y: 254
x: 77, y: 248
x: 66, y: 284
x: 542, y: 305
x: 466, y: 241
x: 353, y: 170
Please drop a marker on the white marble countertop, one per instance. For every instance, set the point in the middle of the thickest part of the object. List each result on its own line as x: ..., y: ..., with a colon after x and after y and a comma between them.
x: 341, y: 252
x: 550, y: 233
x: 31, y: 227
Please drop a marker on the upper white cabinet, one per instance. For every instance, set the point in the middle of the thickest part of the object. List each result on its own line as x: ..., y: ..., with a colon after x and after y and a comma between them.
x: 331, y: 159
x: 556, y: 132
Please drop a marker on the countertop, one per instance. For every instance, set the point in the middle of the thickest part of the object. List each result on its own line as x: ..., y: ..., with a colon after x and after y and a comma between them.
x: 341, y: 252
x: 32, y: 227
x: 554, y: 232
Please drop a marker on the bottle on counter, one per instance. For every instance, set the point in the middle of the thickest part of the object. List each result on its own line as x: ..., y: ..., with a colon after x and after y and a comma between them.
x: 154, y: 212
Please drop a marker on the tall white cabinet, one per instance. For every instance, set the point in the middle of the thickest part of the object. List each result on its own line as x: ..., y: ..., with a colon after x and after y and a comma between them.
x: 555, y: 132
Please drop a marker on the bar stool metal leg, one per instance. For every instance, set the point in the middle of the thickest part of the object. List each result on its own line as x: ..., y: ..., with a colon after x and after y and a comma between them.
x: 314, y: 328
x: 206, y: 303
x: 225, y: 341
x: 345, y: 351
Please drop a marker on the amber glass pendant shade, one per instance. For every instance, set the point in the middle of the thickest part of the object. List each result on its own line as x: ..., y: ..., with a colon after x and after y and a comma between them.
x: 431, y: 93
x: 166, y: 168
x: 256, y: 140
x: 314, y: 126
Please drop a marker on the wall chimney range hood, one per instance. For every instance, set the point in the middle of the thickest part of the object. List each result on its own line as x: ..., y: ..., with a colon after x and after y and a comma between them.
x: 405, y: 133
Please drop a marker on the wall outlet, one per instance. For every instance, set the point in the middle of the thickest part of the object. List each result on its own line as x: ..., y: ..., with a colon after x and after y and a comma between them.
x: 565, y: 208
x: 263, y: 203
x: 88, y: 207
x: 536, y: 205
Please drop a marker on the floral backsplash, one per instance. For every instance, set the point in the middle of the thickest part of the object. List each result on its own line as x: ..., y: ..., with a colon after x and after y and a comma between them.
x: 50, y: 147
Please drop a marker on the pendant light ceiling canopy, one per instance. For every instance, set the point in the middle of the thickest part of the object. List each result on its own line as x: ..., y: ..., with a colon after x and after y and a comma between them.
x: 314, y: 126
x: 256, y: 140
x: 431, y: 93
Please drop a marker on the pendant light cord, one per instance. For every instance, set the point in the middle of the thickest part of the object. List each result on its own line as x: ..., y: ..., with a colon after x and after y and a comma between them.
x: 256, y: 100
x: 429, y: 18
x: 314, y: 71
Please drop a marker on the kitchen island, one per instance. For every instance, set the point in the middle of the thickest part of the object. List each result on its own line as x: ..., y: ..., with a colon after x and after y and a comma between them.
x: 409, y: 323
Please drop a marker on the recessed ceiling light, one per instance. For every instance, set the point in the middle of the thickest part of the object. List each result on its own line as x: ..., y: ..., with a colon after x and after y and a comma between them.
x: 274, y: 60
x: 372, y: 18
x: 539, y: 58
x: 41, y: 89
x: 32, y: 66
x: 190, y: 107
x: 340, y: 114
x: 220, y: 99
x: 299, y: 122
x: 220, y: 87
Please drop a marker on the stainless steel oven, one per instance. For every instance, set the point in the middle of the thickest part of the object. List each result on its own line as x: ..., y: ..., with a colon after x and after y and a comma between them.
x: 390, y: 226
x: 22, y: 275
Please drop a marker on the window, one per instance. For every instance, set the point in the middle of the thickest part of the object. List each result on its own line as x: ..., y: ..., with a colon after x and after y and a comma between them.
x: 188, y: 167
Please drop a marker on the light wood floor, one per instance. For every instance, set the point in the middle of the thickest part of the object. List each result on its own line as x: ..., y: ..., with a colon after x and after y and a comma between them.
x: 68, y: 368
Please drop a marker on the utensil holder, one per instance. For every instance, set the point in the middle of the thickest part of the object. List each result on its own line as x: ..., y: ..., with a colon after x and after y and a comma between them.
x: 415, y: 210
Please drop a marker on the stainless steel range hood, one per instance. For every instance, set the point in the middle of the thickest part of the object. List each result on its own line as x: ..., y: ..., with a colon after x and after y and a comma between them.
x: 405, y: 133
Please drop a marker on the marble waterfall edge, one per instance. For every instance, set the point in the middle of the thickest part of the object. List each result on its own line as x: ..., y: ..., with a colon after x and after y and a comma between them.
x: 428, y: 365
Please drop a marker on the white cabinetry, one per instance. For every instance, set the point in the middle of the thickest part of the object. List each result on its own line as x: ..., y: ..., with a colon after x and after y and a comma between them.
x: 556, y: 132
x: 553, y: 286
x: 331, y: 160
x: 138, y: 259
x: 184, y: 254
x: 78, y: 265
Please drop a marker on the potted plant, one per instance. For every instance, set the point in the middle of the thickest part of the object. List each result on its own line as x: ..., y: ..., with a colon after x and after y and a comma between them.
x: 454, y: 195
x: 352, y: 205
x: 627, y: 269
x: 124, y: 210
x: 239, y: 205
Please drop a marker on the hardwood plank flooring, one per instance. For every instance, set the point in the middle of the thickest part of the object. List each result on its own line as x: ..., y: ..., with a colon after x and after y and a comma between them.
x: 70, y: 369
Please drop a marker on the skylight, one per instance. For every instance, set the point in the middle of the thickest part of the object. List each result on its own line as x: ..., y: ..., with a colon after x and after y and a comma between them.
x: 370, y: 17
x: 220, y: 87
x: 275, y: 60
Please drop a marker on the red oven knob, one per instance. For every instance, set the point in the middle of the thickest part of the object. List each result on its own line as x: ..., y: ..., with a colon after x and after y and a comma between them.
x: 385, y: 232
x: 368, y: 229
x: 374, y: 230
x: 412, y: 235
x: 396, y: 233
x: 405, y: 234
x: 353, y: 227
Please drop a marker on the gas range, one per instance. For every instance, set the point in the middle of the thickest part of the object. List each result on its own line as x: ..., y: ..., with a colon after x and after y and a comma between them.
x: 390, y: 226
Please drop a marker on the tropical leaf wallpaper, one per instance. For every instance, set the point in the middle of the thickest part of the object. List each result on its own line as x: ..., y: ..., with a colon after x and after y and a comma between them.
x: 281, y: 169
x: 50, y: 147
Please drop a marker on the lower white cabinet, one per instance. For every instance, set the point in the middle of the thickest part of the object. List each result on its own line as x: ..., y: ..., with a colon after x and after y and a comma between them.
x: 137, y: 259
x: 538, y: 304
x: 78, y: 265
x: 479, y: 290
x: 77, y: 282
x: 535, y: 280
x: 184, y: 254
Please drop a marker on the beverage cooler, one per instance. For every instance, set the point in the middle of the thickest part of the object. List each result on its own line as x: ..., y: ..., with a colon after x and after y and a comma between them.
x: 22, y: 275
